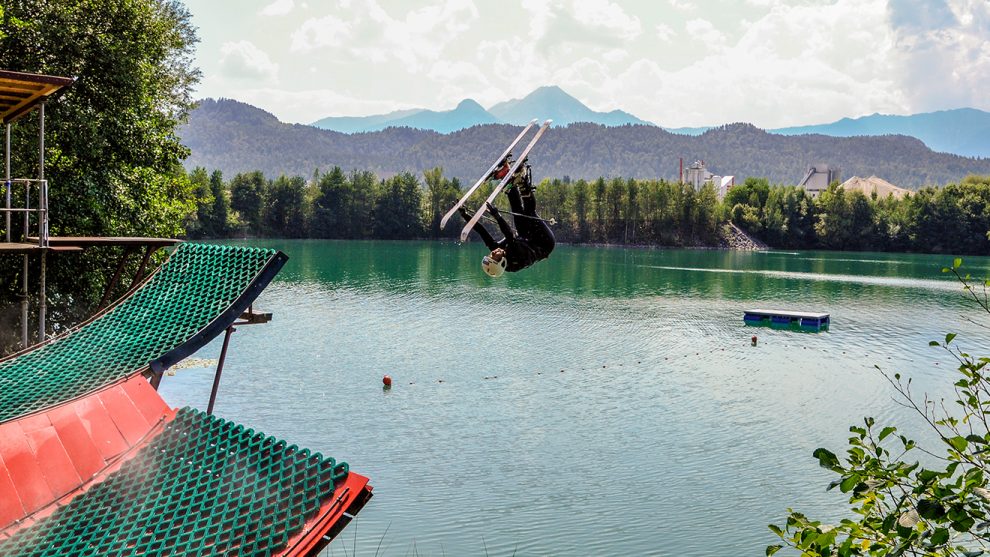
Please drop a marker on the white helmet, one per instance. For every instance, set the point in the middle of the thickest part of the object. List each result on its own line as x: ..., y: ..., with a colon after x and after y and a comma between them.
x: 491, y: 267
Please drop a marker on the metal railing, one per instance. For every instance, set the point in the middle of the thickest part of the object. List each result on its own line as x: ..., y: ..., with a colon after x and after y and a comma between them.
x: 42, y: 209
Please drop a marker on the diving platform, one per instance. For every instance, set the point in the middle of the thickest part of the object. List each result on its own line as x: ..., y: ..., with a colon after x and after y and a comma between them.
x: 808, y: 321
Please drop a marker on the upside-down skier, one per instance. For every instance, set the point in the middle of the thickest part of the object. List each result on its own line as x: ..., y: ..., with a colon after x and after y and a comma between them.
x: 530, y: 241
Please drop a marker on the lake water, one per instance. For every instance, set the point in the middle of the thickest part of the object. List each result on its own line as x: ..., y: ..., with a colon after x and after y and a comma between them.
x: 604, y: 402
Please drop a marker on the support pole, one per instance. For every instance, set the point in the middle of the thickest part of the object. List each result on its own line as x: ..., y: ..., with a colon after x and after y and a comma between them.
x: 6, y: 176
x: 42, y: 221
x: 42, y: 305
x: 24, y: 304
x: 216, y: 377
x: 42, y: 192
x: 116, y: 277
x: 144, y: 263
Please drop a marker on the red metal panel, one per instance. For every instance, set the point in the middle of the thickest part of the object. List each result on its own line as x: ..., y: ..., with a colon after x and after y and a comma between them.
x: 100, y: 427
x: 24, y: 470
x: 34, y: 421
x: 54, y: 462
x: 311, y: 538
x: 125, y: 415
x: 80, y: 447
x: 10, y: 502
x: 145, y: 398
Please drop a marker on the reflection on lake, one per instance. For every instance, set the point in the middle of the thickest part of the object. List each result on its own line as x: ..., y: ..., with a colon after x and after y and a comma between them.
x: 606, y: 401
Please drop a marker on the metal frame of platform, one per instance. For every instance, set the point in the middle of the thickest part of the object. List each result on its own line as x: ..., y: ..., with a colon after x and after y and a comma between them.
x: 815, y: 321
x: 21, y: 94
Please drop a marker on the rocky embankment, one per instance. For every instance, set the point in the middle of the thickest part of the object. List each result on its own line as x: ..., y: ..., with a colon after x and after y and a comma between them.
x: 734, y: 237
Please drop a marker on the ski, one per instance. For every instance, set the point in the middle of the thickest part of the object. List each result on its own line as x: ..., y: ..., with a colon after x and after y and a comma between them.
x: 484, y: 178
x: 498, y: 189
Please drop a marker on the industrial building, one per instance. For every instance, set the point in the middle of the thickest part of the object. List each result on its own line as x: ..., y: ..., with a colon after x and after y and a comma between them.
x: 698, y: 175
x: 818, y: 177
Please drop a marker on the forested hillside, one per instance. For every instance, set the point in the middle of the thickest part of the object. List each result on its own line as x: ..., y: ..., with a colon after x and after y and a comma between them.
x: 236, y: 137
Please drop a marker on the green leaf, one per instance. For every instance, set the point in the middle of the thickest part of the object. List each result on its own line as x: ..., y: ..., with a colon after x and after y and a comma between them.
x: 956, y: 263
x: 972, y: 438
x: 849, y: 483
x: 940, y: 536
x: 931, y: 510
x: 771, y: 549
x: 776, y: 529
x: 933, y: 343
x: 826, y: 459
x: 886, y: 431
x: 959, y: 443
x: 949, y: 337
x: 963, y: 524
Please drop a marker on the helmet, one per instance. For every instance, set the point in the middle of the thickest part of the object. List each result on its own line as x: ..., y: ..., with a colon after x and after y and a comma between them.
x: 491, y: 267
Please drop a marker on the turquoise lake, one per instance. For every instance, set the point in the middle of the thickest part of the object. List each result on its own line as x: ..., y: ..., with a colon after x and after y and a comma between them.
x: 604, y: 402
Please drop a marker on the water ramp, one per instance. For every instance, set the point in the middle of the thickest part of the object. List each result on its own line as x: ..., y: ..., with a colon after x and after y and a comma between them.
x: 93, y: 462
x: 809, y: 321
x: 194, y: 296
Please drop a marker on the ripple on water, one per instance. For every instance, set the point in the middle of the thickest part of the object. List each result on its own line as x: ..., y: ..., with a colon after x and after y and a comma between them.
x: 665, y: 425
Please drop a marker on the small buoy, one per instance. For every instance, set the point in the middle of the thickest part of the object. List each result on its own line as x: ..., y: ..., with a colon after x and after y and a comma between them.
x: 387, y: 381
x: 753, y: 340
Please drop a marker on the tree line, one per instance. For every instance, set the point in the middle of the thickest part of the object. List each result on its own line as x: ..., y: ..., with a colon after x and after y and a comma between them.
x: 951, y: 219
x: 360, y: 205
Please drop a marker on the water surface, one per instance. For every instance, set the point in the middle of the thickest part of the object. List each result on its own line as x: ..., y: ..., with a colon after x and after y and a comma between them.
x: 604, y: 402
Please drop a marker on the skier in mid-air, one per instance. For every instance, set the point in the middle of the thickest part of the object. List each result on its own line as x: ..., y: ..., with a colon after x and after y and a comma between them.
x: 530, y: 241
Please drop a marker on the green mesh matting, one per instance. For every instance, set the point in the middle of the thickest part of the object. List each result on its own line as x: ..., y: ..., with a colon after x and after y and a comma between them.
x: 196, y: 284
x: 203, y: 487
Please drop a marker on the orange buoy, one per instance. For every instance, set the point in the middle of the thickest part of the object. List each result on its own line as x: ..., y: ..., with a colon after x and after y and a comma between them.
x: 387, y: 381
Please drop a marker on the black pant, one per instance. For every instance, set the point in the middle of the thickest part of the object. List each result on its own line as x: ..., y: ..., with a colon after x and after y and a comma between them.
x: 529, y: 225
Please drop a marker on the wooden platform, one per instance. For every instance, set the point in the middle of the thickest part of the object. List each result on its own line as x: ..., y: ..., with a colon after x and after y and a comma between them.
x: 18, y: 247
x: 93, y: 241
x: 784, y: 318
x: 79, y: 243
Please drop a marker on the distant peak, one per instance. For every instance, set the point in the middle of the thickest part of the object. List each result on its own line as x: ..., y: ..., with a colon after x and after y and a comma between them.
x: 469, y: 104
x: 550, y: 91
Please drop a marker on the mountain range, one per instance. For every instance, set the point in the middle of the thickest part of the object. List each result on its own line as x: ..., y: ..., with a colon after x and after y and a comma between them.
x: 964, y: 131
x: 235, y: 137
x: 545, y: 102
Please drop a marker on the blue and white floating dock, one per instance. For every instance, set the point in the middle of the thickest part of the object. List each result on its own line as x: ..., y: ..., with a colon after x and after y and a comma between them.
x: 808, y: 321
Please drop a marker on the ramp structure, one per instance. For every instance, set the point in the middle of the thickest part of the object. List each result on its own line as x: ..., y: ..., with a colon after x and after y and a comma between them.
x: 94, y: 462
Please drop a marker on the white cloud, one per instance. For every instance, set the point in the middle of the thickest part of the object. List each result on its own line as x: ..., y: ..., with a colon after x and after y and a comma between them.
x: 243, y: 60
x: 703, y: 30
x: 605, y: 16
x: 278, y: 7
x: 306, y: 106
x: 782, y: 71
x: 664, y: 32
x: 941, y: 52
x: 770, y: 62
x: 319, y: 32
x: 363, y: 29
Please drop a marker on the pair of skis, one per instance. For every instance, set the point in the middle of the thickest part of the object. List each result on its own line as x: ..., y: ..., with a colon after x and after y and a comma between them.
x: 501, y: 185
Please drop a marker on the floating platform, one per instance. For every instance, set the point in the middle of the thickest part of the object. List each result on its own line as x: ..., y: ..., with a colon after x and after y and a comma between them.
x: 806, y: 321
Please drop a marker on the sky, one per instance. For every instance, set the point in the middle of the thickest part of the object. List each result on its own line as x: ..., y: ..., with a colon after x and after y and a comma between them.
x: 772, y: 63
